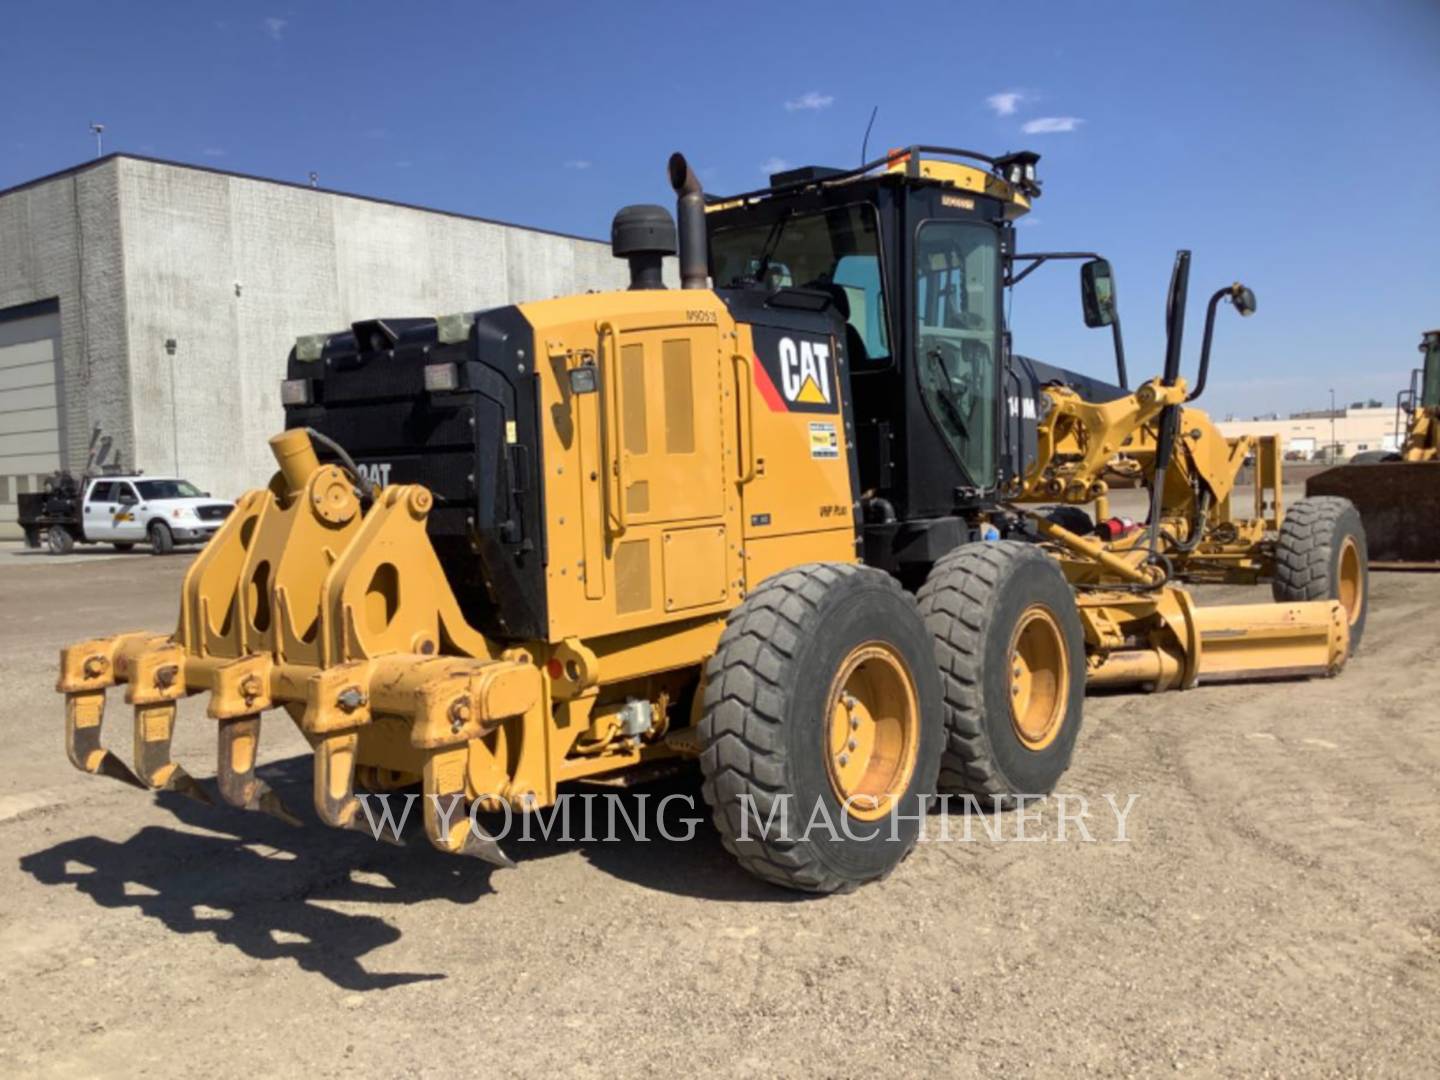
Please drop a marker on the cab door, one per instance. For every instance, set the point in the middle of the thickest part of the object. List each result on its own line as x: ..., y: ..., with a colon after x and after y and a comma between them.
x: 99, y: 511
x: 129, y: 517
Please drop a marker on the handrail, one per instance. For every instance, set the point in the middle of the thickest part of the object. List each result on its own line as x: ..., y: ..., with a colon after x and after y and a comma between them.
x: 745, y: 452
x: 611, y: 425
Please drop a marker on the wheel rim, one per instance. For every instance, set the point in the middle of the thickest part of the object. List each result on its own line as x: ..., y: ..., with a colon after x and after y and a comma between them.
x: 874, y: 730
x: 1352, y: 580
x: 1039, y: 678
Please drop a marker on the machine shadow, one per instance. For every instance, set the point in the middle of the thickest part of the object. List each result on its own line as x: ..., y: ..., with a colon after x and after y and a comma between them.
x: 270, y: 903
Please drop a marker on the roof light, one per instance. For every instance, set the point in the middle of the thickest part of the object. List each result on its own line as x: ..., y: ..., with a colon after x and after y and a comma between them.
x: 1019, y: 171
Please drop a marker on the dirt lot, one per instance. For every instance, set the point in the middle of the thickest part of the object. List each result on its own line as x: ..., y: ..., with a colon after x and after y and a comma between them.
x: 1276, y: 910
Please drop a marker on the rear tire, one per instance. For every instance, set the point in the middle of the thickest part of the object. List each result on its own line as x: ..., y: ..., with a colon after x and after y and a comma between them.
x: 162, y: 540
x: 822, y: 695
x: 1011, y: 653
x: 60, y: 540
x: 1321, y: 555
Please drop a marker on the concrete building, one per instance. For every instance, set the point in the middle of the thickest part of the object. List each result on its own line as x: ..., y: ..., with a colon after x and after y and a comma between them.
x: 150, y: 305
x: 1310, y: 434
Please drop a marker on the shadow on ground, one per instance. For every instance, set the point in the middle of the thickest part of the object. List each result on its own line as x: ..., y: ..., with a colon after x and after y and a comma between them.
x: 261, y: 886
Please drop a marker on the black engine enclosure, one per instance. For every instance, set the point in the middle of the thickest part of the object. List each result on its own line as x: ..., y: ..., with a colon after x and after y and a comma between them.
x: 476, y: 447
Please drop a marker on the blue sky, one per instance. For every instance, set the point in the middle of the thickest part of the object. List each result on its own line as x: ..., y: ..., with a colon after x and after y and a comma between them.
x: 1293, y: 145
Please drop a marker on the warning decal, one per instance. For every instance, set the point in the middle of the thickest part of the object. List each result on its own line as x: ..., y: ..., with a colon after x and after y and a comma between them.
x: 824, y: 440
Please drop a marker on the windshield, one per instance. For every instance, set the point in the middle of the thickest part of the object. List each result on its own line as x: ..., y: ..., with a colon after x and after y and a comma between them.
x: 168, y: 489
x: 957, y: 313
x: 835, y: 250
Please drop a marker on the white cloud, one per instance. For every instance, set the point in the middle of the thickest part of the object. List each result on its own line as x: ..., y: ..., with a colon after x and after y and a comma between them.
x: 275, y: 26
x: 1051, y: 125
x: 813, y: 101
x: 774, y: 165
x: 1006, y: 102
x: 577, y: 163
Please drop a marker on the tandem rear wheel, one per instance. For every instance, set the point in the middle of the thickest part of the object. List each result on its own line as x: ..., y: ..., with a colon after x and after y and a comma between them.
x: 1011, y: 654
x: 820, y: 728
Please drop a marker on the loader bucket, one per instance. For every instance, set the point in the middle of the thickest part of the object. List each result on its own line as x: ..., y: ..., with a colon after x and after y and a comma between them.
x: 1399, y: 502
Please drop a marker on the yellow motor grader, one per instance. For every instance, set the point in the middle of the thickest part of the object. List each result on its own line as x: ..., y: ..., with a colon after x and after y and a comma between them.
x: 621, y: 530
x: 1397, y: 493
x: 1086, y: 437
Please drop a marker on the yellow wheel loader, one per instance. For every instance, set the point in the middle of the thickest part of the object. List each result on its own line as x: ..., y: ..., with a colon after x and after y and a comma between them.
x: 1397, y: 492
x: 773, y: 525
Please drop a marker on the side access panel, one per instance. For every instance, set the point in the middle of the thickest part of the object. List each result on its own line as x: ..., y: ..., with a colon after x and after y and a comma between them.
x: 641, y: 507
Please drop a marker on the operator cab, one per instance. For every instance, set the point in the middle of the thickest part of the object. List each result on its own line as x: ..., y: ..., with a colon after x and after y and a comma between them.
x: 915, y: 251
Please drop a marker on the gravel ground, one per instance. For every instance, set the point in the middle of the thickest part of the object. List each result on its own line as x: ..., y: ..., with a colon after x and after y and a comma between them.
x: 1273, y: 911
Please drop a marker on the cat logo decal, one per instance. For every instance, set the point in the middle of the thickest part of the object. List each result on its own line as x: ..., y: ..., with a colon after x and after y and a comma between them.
x: 795, y: 372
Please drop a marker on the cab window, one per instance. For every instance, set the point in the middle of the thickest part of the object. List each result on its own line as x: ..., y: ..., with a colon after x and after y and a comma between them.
x: 103, y: 492
x: 836, y: 251
x: 957, y: 309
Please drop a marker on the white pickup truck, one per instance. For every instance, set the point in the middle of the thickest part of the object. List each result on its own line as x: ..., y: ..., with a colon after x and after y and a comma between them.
x: 125, y: 511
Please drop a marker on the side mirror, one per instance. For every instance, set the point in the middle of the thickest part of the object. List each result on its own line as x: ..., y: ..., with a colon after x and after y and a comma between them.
x: 1097, y: 293
x: 126, y: 499
x: 1243, y: 299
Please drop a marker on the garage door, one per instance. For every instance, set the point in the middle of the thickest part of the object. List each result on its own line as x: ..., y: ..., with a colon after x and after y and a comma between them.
x: 29, y: 404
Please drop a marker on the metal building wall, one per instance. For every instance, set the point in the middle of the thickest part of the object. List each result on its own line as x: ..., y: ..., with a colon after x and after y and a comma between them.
x: 231, y: 269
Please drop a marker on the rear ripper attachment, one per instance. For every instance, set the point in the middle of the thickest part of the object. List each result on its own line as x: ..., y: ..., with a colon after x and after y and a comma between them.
x: 298, y: 603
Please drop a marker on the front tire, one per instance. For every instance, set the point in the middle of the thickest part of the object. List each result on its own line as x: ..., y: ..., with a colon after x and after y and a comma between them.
x: 821, y: 706
x: 1321, y: 555
x: 1011, y: 652
x: 162, y: 540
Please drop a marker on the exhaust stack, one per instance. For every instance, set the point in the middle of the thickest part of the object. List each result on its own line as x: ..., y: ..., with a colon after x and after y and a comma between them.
x: 690, y: 217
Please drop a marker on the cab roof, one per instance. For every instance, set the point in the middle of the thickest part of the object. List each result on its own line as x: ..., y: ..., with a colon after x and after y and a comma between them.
x: 1009, y: 178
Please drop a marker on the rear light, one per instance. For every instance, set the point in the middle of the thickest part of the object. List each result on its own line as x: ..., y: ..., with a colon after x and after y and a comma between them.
x: 311, y: 347
x: 441, y: 377
x: 295, y: 392
x: 453, y: 329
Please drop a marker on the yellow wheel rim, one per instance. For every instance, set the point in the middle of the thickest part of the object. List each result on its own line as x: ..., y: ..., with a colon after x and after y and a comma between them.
x: 1039, y: 678
x: 1352, y: 580
x: 874, y: 730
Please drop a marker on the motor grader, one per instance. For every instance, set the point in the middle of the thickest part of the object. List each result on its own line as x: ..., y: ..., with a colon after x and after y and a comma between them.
x: 583, y: 540
x: 1086, y: 438
x: 1397, y: 492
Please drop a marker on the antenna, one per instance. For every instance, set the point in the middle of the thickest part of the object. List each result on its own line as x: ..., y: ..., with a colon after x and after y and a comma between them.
x: 865, y: 144
x: 99, y: 131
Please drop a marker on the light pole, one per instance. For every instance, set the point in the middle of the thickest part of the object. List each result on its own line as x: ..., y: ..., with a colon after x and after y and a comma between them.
x: 170, y: 347
x: 1331, y: 456
x: 99, y: 131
